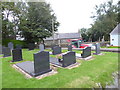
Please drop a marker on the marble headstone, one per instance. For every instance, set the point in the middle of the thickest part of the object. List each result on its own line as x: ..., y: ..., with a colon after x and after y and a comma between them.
x: 10, y: 45
x: 41, y: 47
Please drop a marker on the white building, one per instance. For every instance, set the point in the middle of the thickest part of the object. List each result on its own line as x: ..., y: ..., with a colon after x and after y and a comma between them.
x: 115, y: 36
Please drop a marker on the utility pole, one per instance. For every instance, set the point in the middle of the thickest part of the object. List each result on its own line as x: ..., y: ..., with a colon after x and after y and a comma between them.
x: 53, y: 31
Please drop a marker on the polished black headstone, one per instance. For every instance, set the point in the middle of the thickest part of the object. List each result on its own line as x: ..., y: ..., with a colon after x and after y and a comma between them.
x: 41, y: 62
x: 41, y: 47
x: 31, y: 46
x: 18, y: 46
x: 40, y: 65
x: 56, y: 50
x: 67, y: 59
x: 97, y: 49
x: 17, y: 55
x: 10, y: 45
x: 86, y: 52
x: 6, y: 51
x: 69, y: 47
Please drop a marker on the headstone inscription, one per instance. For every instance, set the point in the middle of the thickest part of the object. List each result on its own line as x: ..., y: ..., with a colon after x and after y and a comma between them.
x: 97, y: 49
x: 40, y: 65
x: 86, y: 52
x: 6, y: 51
x: 41, y: 47
x: 69, y: 47
x: 31, y: 46
x: 17, y: 55
x: 56, y: 50
x: 10, y: 45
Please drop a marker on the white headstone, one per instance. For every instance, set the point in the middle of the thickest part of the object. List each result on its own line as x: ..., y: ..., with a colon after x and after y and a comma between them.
x: 41, y: 47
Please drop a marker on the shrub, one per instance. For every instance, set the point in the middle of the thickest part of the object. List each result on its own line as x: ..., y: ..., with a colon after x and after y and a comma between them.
x: 15, y: 42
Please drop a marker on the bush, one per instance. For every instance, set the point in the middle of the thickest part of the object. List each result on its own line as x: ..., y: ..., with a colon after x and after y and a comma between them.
x: 15, y: 42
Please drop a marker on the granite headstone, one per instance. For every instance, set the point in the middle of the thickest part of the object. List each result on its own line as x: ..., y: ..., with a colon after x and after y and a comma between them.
x: 69, y: 47
x: 18, y: 46
x: 40, y: 65
x: 31, y: 46
x: 86, y: 52
x: 97, y: 49
x: 6, y: 51
x: 17, y: 55
x: 66, y: 60
x: 56, y: 50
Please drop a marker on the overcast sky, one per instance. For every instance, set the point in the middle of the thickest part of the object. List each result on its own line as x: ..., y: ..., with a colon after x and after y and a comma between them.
x: 74, y: 14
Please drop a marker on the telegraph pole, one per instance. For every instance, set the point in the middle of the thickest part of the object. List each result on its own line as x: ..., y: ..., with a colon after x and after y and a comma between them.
x: 53, y: 31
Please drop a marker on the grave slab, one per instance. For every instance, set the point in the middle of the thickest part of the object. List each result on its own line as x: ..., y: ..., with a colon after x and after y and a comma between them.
x: 28, y: 67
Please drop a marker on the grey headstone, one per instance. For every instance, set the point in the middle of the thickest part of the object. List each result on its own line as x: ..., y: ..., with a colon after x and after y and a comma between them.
x: 41, y: 47
x: 10, y: 45
x: 17, y: 55
x: 56, y: 50
x: 6, y: 51
x: 69, y: 47
x: 97, y: 49
x: 18, y: 46
x: 67, y: 59
x: 31, y: 46
x: 86, y: 52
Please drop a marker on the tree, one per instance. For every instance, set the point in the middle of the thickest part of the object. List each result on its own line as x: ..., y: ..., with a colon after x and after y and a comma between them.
x: 38, y: 23
x: 105, y: 20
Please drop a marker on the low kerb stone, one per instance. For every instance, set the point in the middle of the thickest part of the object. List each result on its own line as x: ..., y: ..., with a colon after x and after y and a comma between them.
x: 99, y: 54
x: 53, y: 72
x: 68, y: 67
x: 87, y: 58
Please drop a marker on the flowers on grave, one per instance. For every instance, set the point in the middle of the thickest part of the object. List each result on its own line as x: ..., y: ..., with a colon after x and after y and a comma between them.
x: 59, y: 57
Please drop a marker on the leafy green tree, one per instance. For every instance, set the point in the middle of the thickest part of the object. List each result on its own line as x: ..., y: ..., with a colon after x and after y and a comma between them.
x: 38, y: 23
x: 105, y: 20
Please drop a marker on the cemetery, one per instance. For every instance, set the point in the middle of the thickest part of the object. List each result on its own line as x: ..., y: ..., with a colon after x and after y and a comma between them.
x: 28, y: 65
x: 38, y: 51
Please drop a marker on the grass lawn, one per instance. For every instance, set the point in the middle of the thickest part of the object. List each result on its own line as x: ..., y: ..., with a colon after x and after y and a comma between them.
x: 98, y: 70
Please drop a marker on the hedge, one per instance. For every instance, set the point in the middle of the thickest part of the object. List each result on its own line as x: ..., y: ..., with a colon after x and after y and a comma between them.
x: 15, y: 42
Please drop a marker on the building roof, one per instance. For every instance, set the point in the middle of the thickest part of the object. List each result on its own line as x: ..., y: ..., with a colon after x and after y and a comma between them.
x: 116, y: 30
x: 58, y: 36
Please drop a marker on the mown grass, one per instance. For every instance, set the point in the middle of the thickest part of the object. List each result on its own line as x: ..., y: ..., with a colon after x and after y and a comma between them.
x: 98, y: 70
